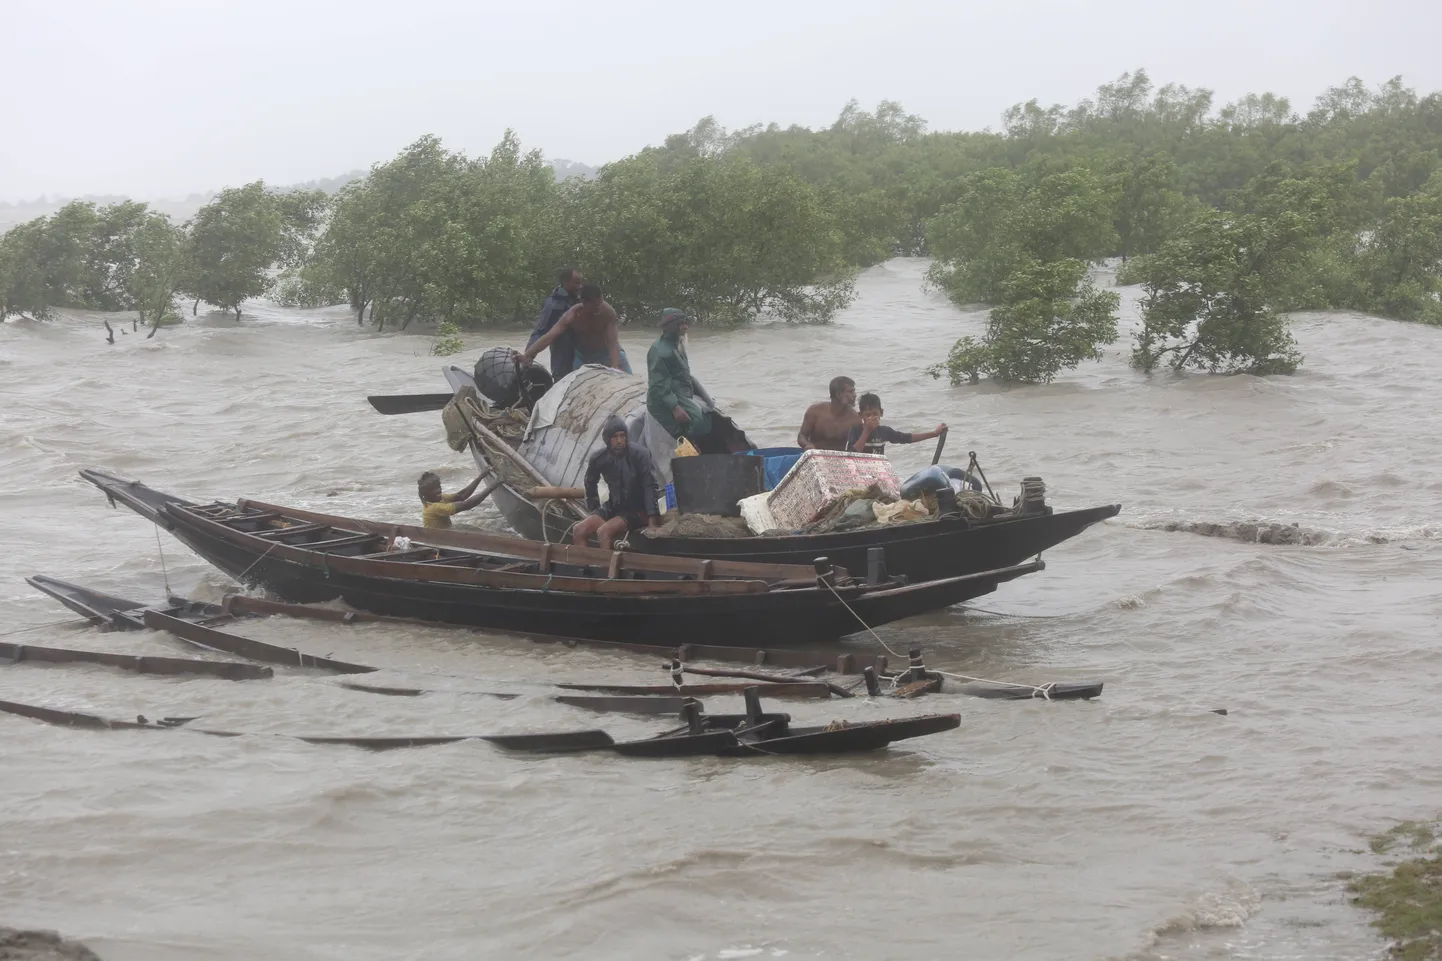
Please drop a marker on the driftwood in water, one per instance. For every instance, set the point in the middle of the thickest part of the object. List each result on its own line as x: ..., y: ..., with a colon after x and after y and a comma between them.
x: 212, y: 639
x: 836, y: 689
x: 612, y: 705
x: 138, y: 663
x: 808, y: 689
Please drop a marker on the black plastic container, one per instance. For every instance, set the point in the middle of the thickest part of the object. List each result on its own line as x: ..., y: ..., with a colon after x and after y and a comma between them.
x: 713, y: 483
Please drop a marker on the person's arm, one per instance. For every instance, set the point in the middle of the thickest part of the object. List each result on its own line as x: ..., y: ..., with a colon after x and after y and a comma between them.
x: 650, y: 491
x: 548, y: 315
x: 613, y: 337
x: 464, y: 492
x: 474, y: 499
x: 808, y: 424
x: 924, y: 435
x: 858, y: 446
x: 560, y: 327
x: 593, y: 494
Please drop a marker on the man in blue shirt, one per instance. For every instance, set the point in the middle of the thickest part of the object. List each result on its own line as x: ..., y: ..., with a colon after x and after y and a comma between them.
x: 563, y: 298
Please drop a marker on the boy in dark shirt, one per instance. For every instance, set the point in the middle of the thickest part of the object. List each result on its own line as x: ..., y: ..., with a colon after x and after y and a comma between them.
x: 871, y: 436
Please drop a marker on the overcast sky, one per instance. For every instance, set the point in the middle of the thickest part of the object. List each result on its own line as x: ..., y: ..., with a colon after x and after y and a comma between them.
x: 161, y: 98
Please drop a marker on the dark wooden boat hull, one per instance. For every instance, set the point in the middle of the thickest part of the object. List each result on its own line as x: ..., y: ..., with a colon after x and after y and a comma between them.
x: 779, y: 617
x: 924, y: 551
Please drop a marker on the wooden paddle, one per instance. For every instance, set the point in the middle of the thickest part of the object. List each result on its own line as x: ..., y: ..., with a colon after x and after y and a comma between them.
x: 408, y: 403
x: 940, y: 443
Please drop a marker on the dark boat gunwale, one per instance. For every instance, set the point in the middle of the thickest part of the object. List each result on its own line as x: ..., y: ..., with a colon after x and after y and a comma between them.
x: 784, y: 616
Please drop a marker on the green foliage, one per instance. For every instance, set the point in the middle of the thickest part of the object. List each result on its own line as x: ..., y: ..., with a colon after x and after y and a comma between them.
x: 1005, y: 221
x: 1408, y: 899
x: 1400, y: 264
x: 24, y: 286
x: 161, y: 261
x: 1051, y: 319
x: 435, y: 234
x: 235, y: 239
x: 719, y: 233
x: 448, y: 340
x: 306, y: 288
x: 1212, y: 293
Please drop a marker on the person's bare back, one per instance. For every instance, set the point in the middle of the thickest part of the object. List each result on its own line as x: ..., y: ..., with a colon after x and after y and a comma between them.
x: 827, y: 423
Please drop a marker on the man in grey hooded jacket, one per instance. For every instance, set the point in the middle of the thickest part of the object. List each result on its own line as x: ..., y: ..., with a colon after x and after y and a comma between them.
x: 632, y: 500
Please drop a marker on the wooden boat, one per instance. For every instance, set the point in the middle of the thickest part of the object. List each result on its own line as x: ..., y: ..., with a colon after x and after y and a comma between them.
x: 728, y: 735
x: 135, y: 663
x: 560, y: 438
x: 119, y: 613
x: 739, y: 735
x: 509, y: 584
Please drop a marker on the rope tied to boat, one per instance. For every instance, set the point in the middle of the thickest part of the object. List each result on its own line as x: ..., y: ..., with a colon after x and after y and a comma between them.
x: 1044, y: 691
x: 163, y: 572
x: 272, y: 547
x: 38, y: 627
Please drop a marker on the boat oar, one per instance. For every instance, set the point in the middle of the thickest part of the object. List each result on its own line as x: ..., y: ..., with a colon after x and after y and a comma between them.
x: 408, y: 403
x: 940, y: 443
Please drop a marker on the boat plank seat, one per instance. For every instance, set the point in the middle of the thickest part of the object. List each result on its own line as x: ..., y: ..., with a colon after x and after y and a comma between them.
x: 259, y: 517
x: 559, y: 553
x: 278, y: 533
x: 450, y: 561
x: 414, y: 554
x: 334, y: 542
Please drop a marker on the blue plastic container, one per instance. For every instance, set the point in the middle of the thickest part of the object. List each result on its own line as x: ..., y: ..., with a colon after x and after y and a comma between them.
x: 670, y: 497
x: 778, y: 460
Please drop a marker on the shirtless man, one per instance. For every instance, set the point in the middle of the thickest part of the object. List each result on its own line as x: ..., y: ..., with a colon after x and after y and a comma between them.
x: 826, y: 424
x: 594, y: 326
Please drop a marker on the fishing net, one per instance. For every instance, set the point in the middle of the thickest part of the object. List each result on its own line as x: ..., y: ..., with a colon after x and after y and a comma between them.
x: 700, y: 525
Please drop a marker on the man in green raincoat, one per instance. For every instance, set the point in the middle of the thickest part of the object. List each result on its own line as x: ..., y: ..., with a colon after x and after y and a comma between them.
x: 670, y: 395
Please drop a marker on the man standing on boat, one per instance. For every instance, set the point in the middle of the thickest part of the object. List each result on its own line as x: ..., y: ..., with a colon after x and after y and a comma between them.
x: 826, y: 424
x: 563, y: 298
x: 632, y: 501
x: 670, y: 393
x: 596, y: 329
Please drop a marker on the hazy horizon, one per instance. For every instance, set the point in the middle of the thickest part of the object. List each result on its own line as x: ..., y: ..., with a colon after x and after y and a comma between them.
x: 167, y: 98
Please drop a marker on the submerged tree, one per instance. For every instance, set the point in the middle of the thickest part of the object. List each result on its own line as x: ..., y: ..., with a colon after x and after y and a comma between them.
x: 1211, y: 296
x: 161, y: 261
x: 1053, y: 318
x: 1400, y: 264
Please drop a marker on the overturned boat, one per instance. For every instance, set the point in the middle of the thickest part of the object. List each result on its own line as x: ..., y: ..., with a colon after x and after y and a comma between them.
x: 509, y: 584
x: 540, y: 453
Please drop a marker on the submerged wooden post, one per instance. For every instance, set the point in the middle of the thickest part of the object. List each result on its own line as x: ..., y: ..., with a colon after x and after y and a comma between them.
x: 691, y: 714
x: 917, y: 671
x: 875, y: 565
x: 753, y: 705
x: 873, y: 686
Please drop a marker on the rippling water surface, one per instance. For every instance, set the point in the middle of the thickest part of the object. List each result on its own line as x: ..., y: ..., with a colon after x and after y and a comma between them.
x: 1138, y: 826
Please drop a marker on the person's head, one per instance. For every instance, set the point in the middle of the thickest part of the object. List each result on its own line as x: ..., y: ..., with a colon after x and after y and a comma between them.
x: 591, y: 294
x: 843, y: 391
x: 429, y: 487
x: 869, y: 404
x: 570, y: 279
x: 614, y: 433
x: 675, y: 322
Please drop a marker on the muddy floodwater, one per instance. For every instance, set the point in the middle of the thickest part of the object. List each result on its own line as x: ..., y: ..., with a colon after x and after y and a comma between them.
x: 1141, y: 825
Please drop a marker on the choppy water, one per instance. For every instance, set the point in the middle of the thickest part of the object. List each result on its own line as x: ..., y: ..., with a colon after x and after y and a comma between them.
x: 1139, y: 826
